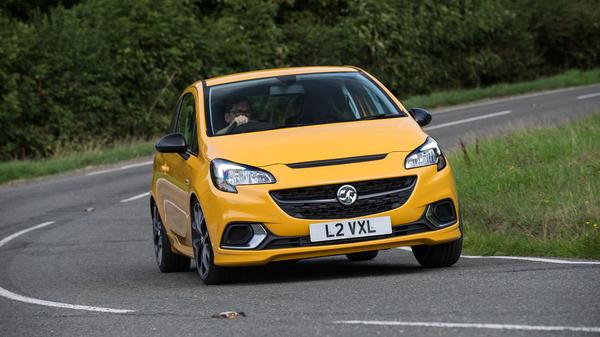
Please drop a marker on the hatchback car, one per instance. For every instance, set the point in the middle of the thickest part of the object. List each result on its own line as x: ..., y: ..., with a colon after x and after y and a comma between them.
x: 297, y: 163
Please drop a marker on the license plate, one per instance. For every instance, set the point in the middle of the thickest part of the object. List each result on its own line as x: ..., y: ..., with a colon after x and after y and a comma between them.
x: 347, y: 229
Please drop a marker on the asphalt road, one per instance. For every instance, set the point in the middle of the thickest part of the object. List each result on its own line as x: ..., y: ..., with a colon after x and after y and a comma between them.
x: 103, y: 258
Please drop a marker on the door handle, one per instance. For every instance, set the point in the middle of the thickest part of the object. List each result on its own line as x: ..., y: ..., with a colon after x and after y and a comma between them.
x: 164, y: 168
x: 187, y: 181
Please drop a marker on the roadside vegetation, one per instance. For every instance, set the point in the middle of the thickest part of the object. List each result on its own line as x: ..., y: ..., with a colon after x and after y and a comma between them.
x: 80, y: 72
x: 66, y: 161
x: 533, y: 193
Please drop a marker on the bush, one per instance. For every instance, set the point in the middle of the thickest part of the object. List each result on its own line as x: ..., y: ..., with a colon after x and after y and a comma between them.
x: 100, y: 71
x: 106, y: 70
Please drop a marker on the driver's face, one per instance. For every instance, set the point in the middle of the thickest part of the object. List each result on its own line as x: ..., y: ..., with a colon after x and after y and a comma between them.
x: 238, y: 109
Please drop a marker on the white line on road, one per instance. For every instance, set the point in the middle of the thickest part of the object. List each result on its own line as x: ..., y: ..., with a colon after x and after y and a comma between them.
x: 120, y: 168
x: 135, y: 197
x: 467, y: 120
x: 533, y: 259
x: 19, y: 233
x: 478, y: 326
x: 485, y: 102
x: 588, y: 95
x: 522, y: 258
x: 16, y: 297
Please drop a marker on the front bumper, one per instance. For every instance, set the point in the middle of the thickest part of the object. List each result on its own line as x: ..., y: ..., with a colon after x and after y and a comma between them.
x: 229, y: 257
x: 254, y: 204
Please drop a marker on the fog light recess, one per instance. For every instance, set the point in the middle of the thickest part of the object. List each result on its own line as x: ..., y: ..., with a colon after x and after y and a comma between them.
x: 441, y: 213
x: 243, y: 236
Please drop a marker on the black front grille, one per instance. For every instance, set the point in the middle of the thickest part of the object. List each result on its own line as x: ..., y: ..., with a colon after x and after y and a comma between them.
x: 319, y: 202
x: 304, y: 241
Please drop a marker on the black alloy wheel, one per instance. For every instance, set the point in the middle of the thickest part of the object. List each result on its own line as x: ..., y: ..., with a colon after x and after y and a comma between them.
x: 166, y: 260
x: 205, y: 265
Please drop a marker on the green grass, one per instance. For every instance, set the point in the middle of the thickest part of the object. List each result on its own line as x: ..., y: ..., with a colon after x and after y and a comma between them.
x: 23, y: 169
x: 444, y: 98
x: 534, y: 193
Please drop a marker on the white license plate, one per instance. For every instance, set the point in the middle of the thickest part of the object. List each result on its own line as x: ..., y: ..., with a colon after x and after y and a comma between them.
x: 347, y: 229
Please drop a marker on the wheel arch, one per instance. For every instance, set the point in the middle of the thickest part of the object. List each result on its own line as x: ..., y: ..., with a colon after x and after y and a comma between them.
x: 194, y: 197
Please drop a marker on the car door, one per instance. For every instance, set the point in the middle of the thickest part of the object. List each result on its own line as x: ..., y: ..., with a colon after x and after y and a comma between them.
x: 176, y: 185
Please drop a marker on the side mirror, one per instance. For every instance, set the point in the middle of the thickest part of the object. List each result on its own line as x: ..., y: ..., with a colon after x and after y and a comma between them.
x: 422, y: 116
x: 172, y: 143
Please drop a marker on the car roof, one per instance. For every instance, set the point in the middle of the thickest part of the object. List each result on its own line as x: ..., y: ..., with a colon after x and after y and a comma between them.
x: 251, y: 75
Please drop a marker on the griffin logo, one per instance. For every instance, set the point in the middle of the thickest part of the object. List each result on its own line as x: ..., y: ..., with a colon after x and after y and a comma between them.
x: 347, y: 195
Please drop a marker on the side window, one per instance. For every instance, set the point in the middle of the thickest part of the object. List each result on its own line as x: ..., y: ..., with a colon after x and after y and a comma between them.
x: 186, y: 122
x: 173, y: 124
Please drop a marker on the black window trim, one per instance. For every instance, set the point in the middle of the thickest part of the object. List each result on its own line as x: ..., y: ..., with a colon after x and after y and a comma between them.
x: 206, y: 91
x: 173, y: 126
x: 188, y: 152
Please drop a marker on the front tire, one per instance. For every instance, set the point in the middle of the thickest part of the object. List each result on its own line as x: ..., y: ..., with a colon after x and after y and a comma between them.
x: 436, y: 256
x: 205, y: 264
x: 362, y: 256
x: 166, y: 260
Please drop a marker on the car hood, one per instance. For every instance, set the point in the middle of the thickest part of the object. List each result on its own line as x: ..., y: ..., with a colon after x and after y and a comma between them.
x: 318, y: 142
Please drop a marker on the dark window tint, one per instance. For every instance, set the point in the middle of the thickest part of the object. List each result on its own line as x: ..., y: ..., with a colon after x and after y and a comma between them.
x: 186, y: 122
x: 173, y: 124
x: 298, y: 100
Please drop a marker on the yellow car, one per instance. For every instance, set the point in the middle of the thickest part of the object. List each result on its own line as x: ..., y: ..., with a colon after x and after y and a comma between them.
x: 290, y: 164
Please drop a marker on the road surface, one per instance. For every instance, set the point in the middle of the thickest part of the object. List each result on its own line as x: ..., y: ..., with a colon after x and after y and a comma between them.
x: 88, y: 268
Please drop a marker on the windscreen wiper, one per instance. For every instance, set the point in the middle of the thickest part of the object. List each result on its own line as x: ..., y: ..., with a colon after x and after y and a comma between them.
x: 380, y: 117
x: 290, y: 126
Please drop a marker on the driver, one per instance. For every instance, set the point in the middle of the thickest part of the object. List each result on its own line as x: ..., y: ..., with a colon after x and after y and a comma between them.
x: 236, y: 113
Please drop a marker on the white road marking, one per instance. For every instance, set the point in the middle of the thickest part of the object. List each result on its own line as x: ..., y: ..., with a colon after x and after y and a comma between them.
x: 485, y: 102
x: 467, y: 120
x: 120, y: 168
x: 16, y: 297
x: 135, y: 197
x: 588, y: 95
x: 533, y: 259
x: 522, y: 258
x: 478, y: 326
x: 27, y: 230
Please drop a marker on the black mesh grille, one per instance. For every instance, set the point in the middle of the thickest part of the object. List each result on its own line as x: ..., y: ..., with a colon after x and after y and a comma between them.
x: 319, y: 202
x: 304, y: 241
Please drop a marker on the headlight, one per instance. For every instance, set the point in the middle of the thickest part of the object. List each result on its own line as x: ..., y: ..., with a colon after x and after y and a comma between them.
x: 427, y: 154
x: 227, y: 175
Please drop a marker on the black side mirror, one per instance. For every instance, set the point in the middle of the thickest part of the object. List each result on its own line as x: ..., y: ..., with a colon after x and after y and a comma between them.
x: 422, y: 116
x: 172, y: 143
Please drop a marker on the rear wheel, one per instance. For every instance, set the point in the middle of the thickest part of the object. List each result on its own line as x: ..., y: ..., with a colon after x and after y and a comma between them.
x: 362, y: 256
x: 205, y: 264
x: 166, y: 260
x: 442, y: 255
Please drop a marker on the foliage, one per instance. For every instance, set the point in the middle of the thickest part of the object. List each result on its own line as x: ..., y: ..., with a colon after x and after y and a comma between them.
x: 533, y: 193
x: 74, y: 72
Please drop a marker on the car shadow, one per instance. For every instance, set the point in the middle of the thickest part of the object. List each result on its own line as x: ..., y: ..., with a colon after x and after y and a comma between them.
x: 319, y: 270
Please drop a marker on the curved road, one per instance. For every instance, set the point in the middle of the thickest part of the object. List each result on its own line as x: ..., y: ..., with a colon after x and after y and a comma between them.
x: 97, y: 252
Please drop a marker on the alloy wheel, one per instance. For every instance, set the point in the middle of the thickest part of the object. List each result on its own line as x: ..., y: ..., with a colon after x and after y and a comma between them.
x: 157, y: 234
x: 201, y: 243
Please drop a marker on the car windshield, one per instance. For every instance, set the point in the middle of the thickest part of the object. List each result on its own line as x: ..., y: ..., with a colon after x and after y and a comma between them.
x: 295, y: 100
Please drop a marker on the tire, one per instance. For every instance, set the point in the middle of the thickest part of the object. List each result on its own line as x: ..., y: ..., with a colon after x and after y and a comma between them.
x: 436, y: 256
x: 203, y: 253
x: 362, y: 256
x: 166, y: 260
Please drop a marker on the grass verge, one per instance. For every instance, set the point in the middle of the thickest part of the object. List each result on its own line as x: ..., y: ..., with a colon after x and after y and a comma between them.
x: 23, y: 169
x: 570, y: 78
x: 533, y: 193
